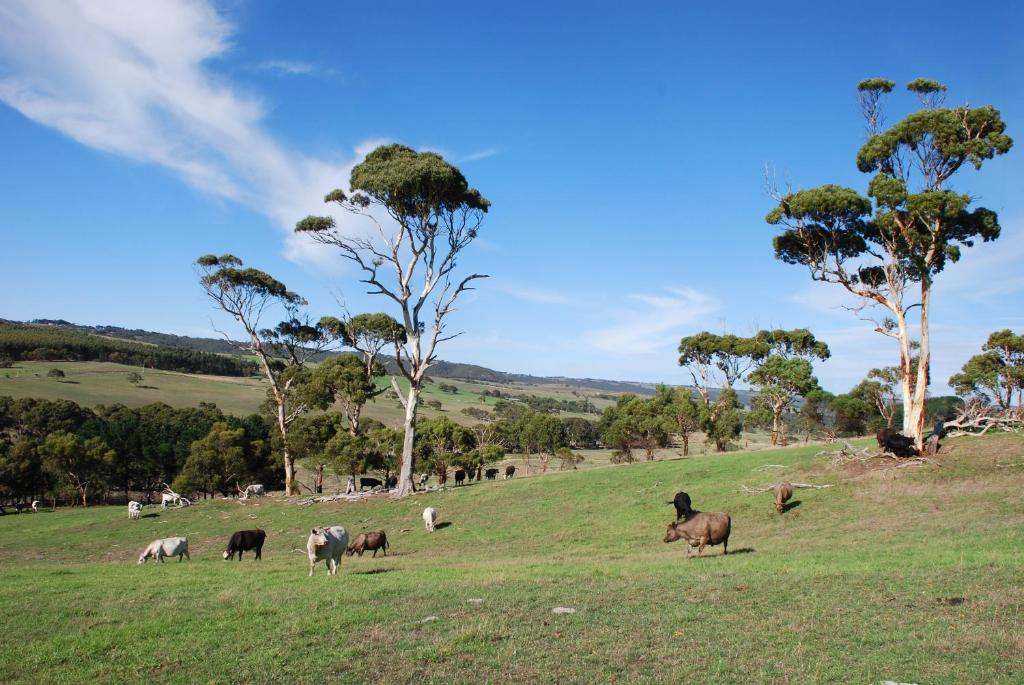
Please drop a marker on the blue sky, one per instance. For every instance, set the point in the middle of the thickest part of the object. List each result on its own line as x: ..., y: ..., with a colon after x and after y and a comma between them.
x: 622, y: 148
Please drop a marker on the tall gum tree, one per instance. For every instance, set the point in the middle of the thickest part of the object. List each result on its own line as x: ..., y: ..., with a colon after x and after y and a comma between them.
x: 891, y: 245
x: 411, y: 260
x: 247, y: 294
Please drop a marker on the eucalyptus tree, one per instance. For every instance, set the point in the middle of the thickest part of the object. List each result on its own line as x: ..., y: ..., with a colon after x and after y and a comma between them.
x: 412, y: 259
x: 344, y: 380
x: 996, y: 373
x: 247, y: 295
x: 717, y: 361
x: 888, y: 248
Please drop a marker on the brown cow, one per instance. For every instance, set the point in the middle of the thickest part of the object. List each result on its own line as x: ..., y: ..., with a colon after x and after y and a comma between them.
x: 365, y: 542
x: 703, y: 528
x: 783, y: 491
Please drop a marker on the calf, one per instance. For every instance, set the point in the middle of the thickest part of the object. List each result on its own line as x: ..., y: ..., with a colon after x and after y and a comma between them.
x: 243, y: 541
x: 783, y: 491
x: 430, y: 518
x: 369, y: 483
x: 510, y: 471
x: 168, y: 547
x: 682, y: 505
x: 134, y: 510
x: 424, y: 478
x: 491, y: 474
x: 702, y: 528
x: 460, y: 476
x: 365, y: 542
x: 327, y: 544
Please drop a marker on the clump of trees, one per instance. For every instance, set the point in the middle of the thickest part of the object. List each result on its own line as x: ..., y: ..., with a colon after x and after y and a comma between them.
x: 888, y: 248
x: 24, y: 342
x: 995, y: 375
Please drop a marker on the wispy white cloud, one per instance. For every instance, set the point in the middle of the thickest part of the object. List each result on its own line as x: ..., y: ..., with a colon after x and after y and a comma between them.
x: 139, y: 81
x: 648, y: 323
x: 479, y: 154
x: 287, y: 67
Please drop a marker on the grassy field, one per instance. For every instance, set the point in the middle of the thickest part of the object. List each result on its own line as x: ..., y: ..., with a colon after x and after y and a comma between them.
x: 914, y: 575
x: 93, y: 383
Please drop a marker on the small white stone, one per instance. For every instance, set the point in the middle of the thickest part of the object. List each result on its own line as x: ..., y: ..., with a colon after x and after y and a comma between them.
x: 563, y: 610
x: 428, y: 619
x: 475, y: 601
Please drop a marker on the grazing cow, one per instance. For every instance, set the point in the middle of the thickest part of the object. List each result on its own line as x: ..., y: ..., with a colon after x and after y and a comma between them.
x: 327, y: 544
x: 254, y: 490
x: 510, y: 471
x: 366, y: 542
x: 896, y: 444
x: 134, y: 510
x: 175, y: 499
x: 460, y: 476
x: 243, y: 541
x: 703, y: 528
x: 491, y: 474
x: 430, y: 518
x: 365, y: 482
x: 424, y: 478
x: 168, y: 547
x: 783, y: 491
x: 682, y: 505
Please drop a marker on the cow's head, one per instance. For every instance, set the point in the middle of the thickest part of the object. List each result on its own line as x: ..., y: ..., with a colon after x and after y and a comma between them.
x: 318, y: 537
x: 673, y: 533
x: 227, y: 555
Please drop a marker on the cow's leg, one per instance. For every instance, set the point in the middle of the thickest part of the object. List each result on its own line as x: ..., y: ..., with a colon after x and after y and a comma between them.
x: 186, y: 556
x: 311, y: 563
x: 700, y: 550
x: 374, y: 554
x: 725, y: 546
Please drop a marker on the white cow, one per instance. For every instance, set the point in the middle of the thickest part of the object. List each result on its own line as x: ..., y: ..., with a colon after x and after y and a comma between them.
x: 168, y: 547
x: 254, y: 490
x: 35, y: 505
x: 134, y: 509
x: 327, y: 544
x: 429, y: 518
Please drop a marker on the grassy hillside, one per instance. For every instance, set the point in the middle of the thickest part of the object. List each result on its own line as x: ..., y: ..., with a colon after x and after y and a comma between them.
x: 92, y: 383
x: 910, y: 574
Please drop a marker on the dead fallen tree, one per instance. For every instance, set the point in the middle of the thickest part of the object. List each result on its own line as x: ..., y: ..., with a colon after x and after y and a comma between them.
x: 848, y: 454
x: 977, y: 418
x: 751, y: 491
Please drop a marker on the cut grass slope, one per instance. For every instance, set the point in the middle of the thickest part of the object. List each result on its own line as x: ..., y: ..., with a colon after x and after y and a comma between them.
x: 908, y: 574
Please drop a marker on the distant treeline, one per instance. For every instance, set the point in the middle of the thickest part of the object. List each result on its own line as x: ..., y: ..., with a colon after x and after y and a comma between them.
x: 63, y: 451
x: 546, y: 405
x: 23, y: 342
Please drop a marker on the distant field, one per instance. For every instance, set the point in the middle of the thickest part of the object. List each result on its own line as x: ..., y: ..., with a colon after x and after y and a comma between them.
x: 93, y: 383
x: 912, y: 575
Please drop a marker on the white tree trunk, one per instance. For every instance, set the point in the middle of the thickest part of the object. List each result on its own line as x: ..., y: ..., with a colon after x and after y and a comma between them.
x: 405, y: 486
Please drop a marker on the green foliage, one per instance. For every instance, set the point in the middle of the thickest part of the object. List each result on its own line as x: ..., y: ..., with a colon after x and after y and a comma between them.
x: 723, y: 421
x: 344, y: 379
x: 215, y: 463
x: 635, y: 423
x: 76, y: 462
x: 851, y: 415
x: 49, y: 343
x: 134, y: 377
x: 442, y: 444
x: 997, y: 373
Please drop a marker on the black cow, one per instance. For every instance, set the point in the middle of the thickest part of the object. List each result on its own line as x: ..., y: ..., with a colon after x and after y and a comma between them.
x: 894, y: 443
x: 365, y: 482
x: 491, y: 474
x: 682, y: 504
x: 471, y: 474
x: 392, y: 482
x: 510, y: 471
x: 243, y: 541
x: 460, y: 476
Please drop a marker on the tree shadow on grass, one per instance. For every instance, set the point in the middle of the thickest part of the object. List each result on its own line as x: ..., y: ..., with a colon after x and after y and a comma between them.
x: 374, y: 571
x: 147, y: 387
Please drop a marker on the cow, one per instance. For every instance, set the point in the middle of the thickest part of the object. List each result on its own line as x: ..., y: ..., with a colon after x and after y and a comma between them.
x: 430, y: 518
x: 491, y: 474
x: 364, y: 542
x: 682, y: 505
x: 254, y: 490
x: 20, y: 507
x: 243, y: 541
x: 783, y: 491
x: 703, y: 528
x: 460, y: 476
x: 327, y: 543
x: 391, y: 482
x: 366, y: 482
x: 896, y: 444
x: 35, y: 505
x: 134, y: 510
x: 471, y: 475
x: 167, y: 547
x: 173, y: 498
x: 424, y: 478
x: 510, y: 471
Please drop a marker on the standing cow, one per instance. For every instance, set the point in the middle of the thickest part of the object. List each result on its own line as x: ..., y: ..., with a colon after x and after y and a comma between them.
x: 491, y: 474
x: 329, y: 544
x: 460, y: 476
x: 430, y: 518
x: 682, y: 505
x: 783, y: 492
x: 134, y: 510
x: 243, y: 541
x: 703, y: 528
x: 510, y: 471
x: 167, y: 547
